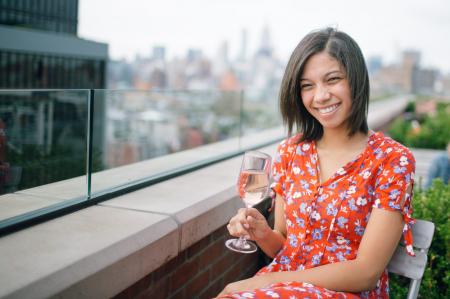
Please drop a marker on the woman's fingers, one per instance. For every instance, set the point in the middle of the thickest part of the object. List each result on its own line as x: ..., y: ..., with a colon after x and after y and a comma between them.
x: 238, y: 224
x: 254, y: 213
x: 249, y: 223
x: 237, y: 230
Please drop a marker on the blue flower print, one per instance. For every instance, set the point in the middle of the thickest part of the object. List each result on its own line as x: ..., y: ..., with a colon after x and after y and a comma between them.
x: 285, y: 260
x: 317, y: 234
x: 378, y: 153
x: 289, y: 200
x: 303, y: 207
x: 342, y: 221
x: 293, y: 240
x: 316, y: 259
x: 307, y: 248
x: 385, y: 186
x: 299, y: 151
x: 366, y: 219
x: 278, y: 158
x: 304, y: 185
x: 322, y: 197
x: 408, y: 178
x: 359, y: 230
x: 394, y: 194
x: 333, y: 185
x: 340, y: 256
x: 351, y: 204
x: 311, y: 170
x: 331, y: 210
x: 300, y: 222
x: 398, y: 169
x: 370, y: 190
x: 394, y: 206
x: 332, y: 248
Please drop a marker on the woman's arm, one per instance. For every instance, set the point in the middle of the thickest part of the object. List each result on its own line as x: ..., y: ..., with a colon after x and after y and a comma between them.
x: 379, y: 241
x: 272, y: 242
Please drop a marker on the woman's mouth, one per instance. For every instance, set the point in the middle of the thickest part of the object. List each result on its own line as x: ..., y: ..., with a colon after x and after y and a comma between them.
x: 328, y: 110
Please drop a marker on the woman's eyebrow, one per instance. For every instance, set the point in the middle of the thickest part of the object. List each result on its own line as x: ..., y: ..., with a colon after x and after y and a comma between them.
x: 327, y: 74
x: 332, y: 72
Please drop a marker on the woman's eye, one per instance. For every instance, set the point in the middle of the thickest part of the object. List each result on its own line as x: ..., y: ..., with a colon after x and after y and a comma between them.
x: 334, y: 79
x: 305, y: 86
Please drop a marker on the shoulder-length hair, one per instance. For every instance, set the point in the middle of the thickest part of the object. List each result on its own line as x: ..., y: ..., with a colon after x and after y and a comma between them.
x: 346, y: 51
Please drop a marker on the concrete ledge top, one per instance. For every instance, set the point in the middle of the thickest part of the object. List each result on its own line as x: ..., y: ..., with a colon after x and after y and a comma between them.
x: 46, y: 259
x: 200, y: 202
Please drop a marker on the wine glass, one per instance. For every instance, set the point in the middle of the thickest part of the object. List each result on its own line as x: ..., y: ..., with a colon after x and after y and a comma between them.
x: 252, y: 187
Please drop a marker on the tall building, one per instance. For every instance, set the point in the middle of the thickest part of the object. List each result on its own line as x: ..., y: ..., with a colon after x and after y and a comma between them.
x: 410, y: 66
x: 374, y: 63
x: 159, y: 53
x: 243, y: 48
x: 266, y: 47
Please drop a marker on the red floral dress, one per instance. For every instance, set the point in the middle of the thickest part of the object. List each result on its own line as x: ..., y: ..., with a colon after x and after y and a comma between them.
x: 326, y: 221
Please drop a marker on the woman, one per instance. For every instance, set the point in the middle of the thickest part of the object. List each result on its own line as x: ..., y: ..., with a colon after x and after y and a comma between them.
x: 343, y: 192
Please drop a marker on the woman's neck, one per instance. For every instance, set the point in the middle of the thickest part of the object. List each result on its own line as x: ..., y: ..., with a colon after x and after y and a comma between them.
x: 339, y: 140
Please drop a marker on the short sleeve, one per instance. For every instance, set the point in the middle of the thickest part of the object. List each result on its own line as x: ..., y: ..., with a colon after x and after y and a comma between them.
x: 395, y: 176
x: 279, y: 168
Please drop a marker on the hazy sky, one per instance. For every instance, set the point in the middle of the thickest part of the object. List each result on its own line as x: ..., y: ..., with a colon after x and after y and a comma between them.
x: 381, y: 27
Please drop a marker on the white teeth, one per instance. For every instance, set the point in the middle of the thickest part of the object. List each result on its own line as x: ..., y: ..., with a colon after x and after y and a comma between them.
x: 328, y: 109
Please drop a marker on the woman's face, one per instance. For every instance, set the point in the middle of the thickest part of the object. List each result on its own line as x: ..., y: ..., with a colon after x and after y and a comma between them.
x: 325, y: 91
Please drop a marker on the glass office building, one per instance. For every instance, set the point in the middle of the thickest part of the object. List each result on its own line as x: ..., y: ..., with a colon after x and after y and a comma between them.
x: 39, y: 47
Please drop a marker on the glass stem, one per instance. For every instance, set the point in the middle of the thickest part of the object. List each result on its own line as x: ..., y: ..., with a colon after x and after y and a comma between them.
x: 241, y: 242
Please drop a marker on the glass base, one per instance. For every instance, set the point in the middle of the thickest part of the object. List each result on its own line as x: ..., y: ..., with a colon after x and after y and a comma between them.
x: 242, y: 246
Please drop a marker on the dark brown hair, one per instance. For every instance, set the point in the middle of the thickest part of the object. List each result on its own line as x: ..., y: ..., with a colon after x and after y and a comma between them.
x: 346, y: 51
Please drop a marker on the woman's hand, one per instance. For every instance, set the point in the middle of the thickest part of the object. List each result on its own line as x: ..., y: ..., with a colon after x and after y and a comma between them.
x: 255, y: 282
x: 249, y: 223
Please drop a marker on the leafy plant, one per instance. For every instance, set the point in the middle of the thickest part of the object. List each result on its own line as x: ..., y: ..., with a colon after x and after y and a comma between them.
x: 433, y: 133
x: 433, y: 205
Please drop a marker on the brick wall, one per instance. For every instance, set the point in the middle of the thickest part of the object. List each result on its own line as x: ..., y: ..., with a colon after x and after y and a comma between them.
x: 201, y: 271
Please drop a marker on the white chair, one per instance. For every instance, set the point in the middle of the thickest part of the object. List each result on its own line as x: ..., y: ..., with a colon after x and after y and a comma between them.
x: 409, y: 266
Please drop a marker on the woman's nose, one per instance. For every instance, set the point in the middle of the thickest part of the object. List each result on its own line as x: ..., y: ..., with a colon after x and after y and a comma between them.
x: 322, y: 94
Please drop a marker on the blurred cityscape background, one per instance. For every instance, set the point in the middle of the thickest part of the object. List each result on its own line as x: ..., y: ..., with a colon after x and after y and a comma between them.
x: 149, y: 105
x: 79, y: 110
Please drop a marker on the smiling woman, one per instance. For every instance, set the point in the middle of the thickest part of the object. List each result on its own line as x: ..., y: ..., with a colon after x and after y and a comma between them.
x: 343, y: 192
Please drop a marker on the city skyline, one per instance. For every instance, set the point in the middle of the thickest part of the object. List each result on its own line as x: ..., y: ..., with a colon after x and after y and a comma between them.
x: 381, y: 28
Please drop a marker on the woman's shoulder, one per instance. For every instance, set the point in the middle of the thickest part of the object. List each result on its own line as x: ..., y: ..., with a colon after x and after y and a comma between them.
x: 291, y: 142
x: 389, y: 149
x: 288, y: 146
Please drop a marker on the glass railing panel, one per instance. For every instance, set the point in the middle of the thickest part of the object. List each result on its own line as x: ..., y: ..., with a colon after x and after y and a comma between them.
x: 162, y: 130
x: 260, y: 118
x: 43, y: 149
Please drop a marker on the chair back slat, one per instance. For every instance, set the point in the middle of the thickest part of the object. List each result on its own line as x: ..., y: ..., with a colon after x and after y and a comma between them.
x: 409, y: 266
x: 423, y: 232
